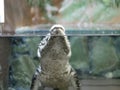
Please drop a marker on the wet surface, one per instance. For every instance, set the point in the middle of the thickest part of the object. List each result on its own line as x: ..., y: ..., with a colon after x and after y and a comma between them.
x: 101, y: 88
x: 100, y: 84
x: 107, y: 84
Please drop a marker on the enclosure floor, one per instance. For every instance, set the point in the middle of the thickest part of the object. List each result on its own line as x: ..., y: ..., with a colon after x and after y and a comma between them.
x: 99, y: 85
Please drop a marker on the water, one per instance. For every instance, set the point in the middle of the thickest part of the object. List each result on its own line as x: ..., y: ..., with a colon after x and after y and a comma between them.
x: 43, y: 32
x: 95, y: 56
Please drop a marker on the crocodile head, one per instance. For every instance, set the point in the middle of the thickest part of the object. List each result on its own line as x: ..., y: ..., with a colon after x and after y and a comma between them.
x: 55, y: 44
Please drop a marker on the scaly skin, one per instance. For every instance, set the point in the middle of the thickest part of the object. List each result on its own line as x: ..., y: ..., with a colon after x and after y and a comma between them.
x: 56, y: 72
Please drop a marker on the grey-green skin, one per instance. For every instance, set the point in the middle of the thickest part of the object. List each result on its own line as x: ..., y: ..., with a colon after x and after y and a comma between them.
x: 56, y: 72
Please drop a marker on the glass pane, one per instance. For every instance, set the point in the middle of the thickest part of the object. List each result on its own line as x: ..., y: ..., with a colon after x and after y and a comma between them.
x: 93, y: 57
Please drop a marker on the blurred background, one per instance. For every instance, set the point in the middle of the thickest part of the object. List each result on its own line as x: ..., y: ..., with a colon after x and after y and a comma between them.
x: 42, y: 13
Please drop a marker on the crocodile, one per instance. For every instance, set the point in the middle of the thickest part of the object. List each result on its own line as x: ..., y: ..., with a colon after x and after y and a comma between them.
x: 55, y: 70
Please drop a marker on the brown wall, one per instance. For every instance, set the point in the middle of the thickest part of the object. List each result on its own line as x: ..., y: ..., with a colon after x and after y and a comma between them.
x: 5, y: 50
x: 17, y: 13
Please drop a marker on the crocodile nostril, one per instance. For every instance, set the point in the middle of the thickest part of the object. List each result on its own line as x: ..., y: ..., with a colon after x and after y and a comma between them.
x: 56, y: 32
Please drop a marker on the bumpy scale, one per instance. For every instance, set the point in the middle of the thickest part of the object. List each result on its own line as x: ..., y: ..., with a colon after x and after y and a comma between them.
x: 54, y: 70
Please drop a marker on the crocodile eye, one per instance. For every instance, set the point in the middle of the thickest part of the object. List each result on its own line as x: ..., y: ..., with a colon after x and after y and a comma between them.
x: 42, y: 43
x: 61, y: 28
x: 53, y: 31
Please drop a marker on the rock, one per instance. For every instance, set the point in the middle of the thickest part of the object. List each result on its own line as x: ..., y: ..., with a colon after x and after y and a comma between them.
x: 23, y: 69
x: 103, y: 55
x: 116, y: 73
x: 79, y: 58
x: 25, y: 62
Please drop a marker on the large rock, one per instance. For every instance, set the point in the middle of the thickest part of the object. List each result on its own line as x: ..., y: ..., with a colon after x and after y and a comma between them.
x: 104, y: 57
x: 79, y: 58
x: 23, y: 69
x: 23, y: 60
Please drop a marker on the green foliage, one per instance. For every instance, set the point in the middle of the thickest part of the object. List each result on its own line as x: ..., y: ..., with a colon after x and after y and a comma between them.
x: 39, y: 3
x: 86, y: 11
x: 81, y: 10
x: 117, y: 2
x: 72, y: 7
x: 29, y: 2
x: 111, y: 2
